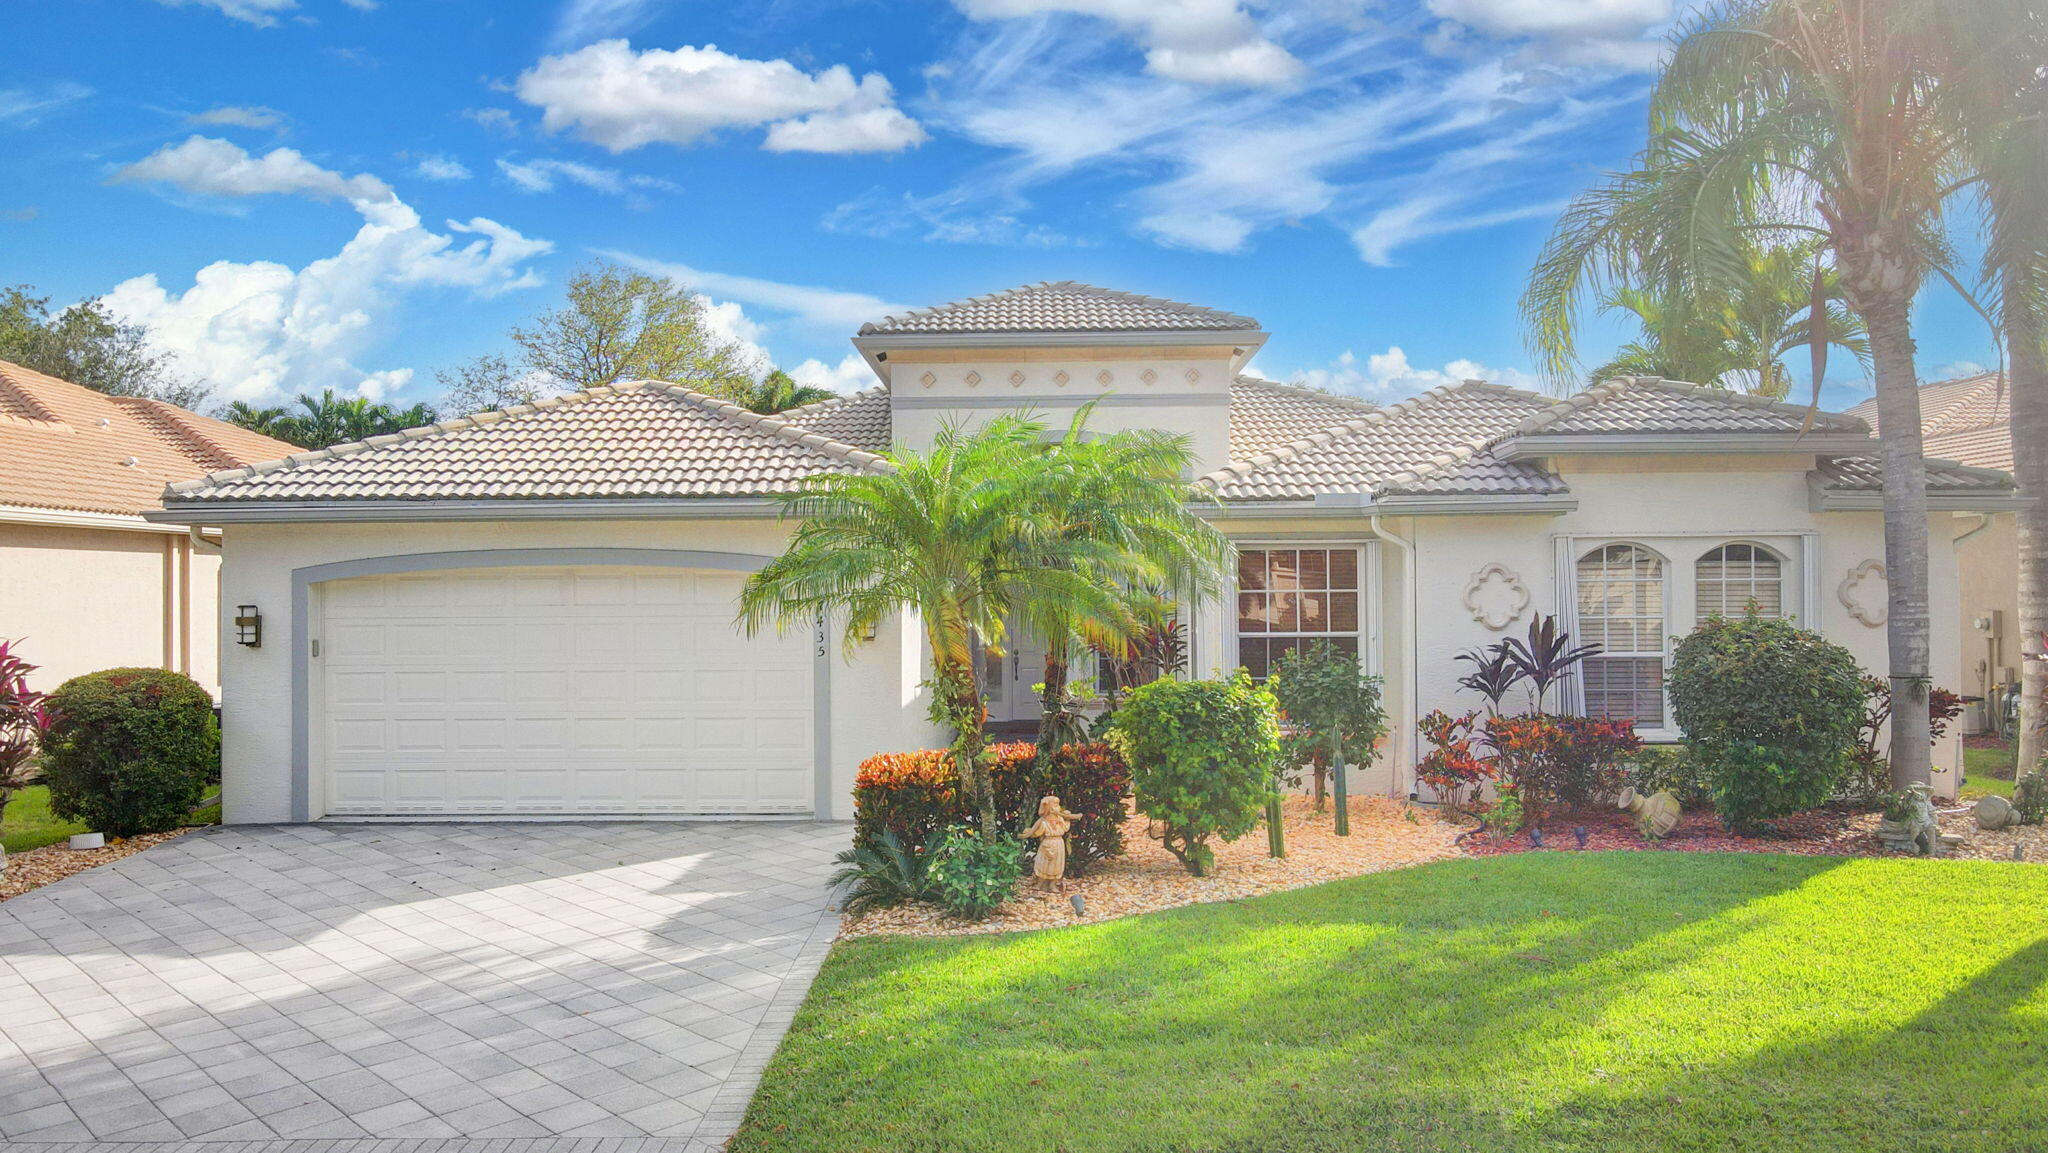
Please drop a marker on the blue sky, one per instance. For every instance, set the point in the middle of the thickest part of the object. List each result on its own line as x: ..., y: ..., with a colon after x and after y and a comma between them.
x: 297, y: 194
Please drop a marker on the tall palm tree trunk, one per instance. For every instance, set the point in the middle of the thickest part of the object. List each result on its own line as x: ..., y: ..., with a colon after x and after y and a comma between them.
x: 2029, y: 384
x: 1907, y: 627
x: 961, y: 703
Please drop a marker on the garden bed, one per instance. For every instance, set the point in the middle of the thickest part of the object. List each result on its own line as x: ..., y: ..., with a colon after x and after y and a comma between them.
x: 52, y: 863
x: 1829, y: 831
x: 1385, y: 834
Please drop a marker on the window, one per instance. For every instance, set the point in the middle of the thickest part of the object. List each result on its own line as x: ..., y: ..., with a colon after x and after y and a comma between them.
x: 1731, y: 578
x: 1621, y: 609
x: 1290, y: 597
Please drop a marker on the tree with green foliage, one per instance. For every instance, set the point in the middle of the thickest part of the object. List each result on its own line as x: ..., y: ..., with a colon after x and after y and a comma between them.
x: 270, y: 420
x: 1334, y: 708
x: 130, y: 750
x: 1201, y: 756
x: 618, y: 324
x: 86, y: 345
x: 779, y: 392
x: 488, y: 383
x: 966, y: 535
x: 329, y: 419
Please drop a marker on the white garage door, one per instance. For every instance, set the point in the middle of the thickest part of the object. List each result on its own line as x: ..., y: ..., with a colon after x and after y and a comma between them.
x: 600, y: 690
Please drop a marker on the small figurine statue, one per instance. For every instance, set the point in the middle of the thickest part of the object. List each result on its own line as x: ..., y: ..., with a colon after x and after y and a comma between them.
x: 1049, y: 867
x: 1656, y: 814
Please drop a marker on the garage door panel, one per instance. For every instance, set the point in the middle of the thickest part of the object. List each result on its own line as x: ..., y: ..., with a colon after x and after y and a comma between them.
x: 578, y: 691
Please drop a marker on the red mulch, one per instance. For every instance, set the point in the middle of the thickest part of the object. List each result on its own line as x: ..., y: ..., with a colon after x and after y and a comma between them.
x: 1984, y: 741
x: 1825, y: 832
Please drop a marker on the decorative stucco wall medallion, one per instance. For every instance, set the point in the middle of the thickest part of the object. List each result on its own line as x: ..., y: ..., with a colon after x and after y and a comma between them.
x: 1866, y: 593
x: 928, y: 379
x: 1149, y: 376
x: 1104, y: 377
x: 1496, y: 596
x: 973, y: 378
x: 1017, y: 379
x: 1061, y: 378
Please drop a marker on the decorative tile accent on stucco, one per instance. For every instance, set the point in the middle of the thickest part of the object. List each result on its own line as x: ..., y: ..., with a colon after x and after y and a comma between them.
x: 1496, y: 596
x: 1866, y: 593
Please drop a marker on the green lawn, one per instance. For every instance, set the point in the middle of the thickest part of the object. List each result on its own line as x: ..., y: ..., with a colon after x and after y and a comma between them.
x: 1987, y: 770
x: 1553, y: 1001
x: 28, y: 824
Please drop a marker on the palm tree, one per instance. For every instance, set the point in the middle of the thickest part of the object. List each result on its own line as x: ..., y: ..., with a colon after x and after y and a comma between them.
x: 1122, y: 512
x: 779, y: 392
x: 964, y: 536
x: 1987, y: 55
x: 273, y: 422
x: 1741, y: 336
x: 1781, y: 118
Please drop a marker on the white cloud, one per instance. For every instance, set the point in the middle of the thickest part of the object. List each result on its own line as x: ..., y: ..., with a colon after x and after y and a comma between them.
x: 1194, y: 41
x: 261, y: 13
x: 209, y: 166
x: 254, y: 116
x: 24, y: 107
x: 621, y: 99
x: 1613, y: 32
x: 545, y: 175
x: 495, y: 121
x: 440, y: 168
x: 1389, y: 376
x: 827, y: 310
x: 582, y: 21
x: 851, y: 374
x: 261, y: 330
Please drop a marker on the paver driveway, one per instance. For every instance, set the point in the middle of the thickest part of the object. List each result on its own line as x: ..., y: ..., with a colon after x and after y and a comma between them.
x: 412, y: 981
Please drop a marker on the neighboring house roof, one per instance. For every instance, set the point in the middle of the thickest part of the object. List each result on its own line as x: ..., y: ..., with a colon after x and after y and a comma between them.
x: 1967, y: 420
x: 627, y: 441
x: 1293, y: 444
x: 1060, y: 306
x: 70, y: 448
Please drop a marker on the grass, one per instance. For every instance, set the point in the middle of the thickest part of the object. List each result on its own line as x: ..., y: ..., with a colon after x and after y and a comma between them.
x: 1988, y: 770
x: 27, y: 822
x: 1544, y: 1001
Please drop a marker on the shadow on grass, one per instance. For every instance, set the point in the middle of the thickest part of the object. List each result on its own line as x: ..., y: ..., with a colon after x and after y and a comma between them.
x: 1576, y: 1001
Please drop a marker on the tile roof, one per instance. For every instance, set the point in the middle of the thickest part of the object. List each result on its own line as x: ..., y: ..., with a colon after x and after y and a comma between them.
x: 1968, y: 420
x: 1866, y: 474
x: 1648, y: 404
x: 1061, y: 306
x: 67, y: 447
x: 1265, y: 416
x: 635, y: 440
x: 862, y: 420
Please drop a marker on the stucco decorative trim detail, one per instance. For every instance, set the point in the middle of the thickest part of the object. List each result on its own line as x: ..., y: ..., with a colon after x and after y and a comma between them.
x: 1061, y: 378
x: 1866, y: 593
x: 1496, y: 596
x: 303, y: 580
x: 1104, y: 377
x: 1017, y: 378
x: 928, y: 379
x: 973, y: 378
x: 1149, y: 376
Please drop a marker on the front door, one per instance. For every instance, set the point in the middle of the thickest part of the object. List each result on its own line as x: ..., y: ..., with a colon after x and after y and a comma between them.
x: 1009, y: 681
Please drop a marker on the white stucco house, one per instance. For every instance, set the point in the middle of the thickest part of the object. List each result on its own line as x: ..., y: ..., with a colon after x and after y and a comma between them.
x: 530, y: 613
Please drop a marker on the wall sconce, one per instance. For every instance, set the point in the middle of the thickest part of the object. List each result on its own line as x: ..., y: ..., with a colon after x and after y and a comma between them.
x: 248, y: 626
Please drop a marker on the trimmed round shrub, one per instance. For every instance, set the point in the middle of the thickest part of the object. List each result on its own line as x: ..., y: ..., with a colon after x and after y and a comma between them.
x: 1770, y: 711
x: 130, y: 750
x: 917, y: 796
x: 1201, y: 756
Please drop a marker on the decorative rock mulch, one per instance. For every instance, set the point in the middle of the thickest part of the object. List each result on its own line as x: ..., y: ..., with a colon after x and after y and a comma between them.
x: 1997, y: 844
x: 39, y: 867
x: 1834, y: 831
x: 1385, y: 834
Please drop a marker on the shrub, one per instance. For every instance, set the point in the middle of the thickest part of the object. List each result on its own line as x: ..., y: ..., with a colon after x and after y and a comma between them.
x: 130, y: 750
x: 970, y: 876
x: 1557, y: 760
x: 1870, y: 771
x: 1452, y: 766
x: 1333, y: 710
x: 917, y: 796
x: 1506, y: 814
x: 1673, y: 769
x: 1771, y: 710
x: 23, y: 721
x: 882, y: 874
x: 1201, y: 756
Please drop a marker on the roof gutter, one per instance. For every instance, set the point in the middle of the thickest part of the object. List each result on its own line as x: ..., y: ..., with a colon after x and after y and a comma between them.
x: 1682, y: 443
x: 297, y: 512
x: 1820, y: 498
x: 71, y: 518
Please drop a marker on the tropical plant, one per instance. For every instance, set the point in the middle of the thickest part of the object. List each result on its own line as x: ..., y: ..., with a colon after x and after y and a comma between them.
x: 1545, y: 657
x: 1505, y: 816
x: 1453, y: 765
x: 1573, y: 762
x: 1160, y: 649
x: 1776, y: 119
x: 1770, y: 709
x: 1494, y: 673
x: 917, y: 796
x: 130, y: 750
x: 23, y: 722
x: 1671, y: 769
x: 2030, y: 796
x: 971, y: 876
x: 965, y: 535
x: 1331, y: 706
x: 881, y: 874
x: 1201, y: 756
x: 329, y: 419
x: 1740, y: 335
x: 779, y: 392
x: 1869, y: 775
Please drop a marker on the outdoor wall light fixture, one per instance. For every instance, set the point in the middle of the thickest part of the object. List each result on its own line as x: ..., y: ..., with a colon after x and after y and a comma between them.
x: 248, y: 626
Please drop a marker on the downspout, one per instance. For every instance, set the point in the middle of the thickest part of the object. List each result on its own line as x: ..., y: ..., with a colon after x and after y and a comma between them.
x: 1410, y: 693
x: 1983, y: 522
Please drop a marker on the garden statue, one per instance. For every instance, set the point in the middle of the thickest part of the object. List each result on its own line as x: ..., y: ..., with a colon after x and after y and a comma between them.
x: 1656, y: 814
x: 1050, y: 865
x: 1909, y: 824
x: 1995, y: 812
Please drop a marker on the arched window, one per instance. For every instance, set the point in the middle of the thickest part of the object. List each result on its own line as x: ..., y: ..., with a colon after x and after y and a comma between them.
x: 1731, y: 578
x: 1621, y: 609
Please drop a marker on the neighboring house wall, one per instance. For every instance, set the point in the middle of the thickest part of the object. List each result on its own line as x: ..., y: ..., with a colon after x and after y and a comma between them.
x: 1990, y: 564
x: 84, y: 599
x: 876, y: 699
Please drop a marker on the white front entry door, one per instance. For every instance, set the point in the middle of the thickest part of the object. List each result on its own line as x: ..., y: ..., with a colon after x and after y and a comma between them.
x: 557, y: 690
